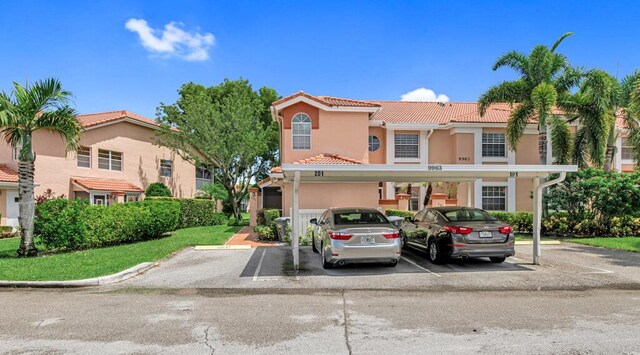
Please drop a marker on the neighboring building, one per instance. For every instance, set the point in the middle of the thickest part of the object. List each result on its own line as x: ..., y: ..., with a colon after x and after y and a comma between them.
x: 116, y: 161
x: 328, y: 130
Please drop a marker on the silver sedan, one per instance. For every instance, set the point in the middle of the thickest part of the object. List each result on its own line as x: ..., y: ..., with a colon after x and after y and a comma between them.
x: 346, y: 235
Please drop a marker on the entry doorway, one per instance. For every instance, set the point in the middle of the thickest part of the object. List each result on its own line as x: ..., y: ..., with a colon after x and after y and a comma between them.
x: 272, y: 198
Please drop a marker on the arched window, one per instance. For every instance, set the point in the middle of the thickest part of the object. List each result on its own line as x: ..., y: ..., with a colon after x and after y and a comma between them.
x: 301, y: 130
x: 374, y: 143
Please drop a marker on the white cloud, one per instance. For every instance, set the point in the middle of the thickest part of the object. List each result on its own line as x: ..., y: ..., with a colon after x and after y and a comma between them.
x: 172, y: 41
x: 424, y: 94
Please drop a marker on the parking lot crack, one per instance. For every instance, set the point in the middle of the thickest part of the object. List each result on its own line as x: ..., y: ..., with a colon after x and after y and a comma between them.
x: 206, y: 340
x: 346, y: 323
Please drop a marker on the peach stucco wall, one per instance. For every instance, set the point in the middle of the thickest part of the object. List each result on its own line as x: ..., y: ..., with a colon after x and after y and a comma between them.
x: 440, y: 144
x: 343, y: 133
x: 141, y: 160
x: 380, y: 155
x: 325, y: 195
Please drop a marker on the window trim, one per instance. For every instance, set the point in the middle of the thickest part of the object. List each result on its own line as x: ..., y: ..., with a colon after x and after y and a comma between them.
x: 493, y: 157
x: 622, y: 159
x: 111, y: 160
x: 395, y: 146
x: 164, y: 167
x: 294, y: 134
x: 493, y: 185
x: 78, y: 160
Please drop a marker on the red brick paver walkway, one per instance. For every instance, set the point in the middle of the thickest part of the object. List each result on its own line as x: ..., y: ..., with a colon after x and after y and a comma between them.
x: 246, y: 237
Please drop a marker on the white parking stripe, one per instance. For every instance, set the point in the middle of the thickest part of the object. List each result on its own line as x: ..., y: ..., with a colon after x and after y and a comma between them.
x: 255, y: 275
x: 419, y: 267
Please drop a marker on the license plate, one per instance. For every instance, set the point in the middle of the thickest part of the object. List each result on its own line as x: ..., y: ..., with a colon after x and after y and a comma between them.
x: 368, y: 240
x: 486, y: 235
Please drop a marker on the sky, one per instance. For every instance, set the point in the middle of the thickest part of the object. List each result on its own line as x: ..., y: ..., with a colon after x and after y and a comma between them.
x: 133, y: 55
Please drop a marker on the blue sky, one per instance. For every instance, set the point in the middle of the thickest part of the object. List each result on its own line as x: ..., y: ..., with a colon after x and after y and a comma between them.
x: 356, y: 49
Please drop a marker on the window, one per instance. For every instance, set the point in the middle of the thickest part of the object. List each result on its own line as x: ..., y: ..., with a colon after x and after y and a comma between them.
x: 101, y: 200
x: 132, y: 197
x: 374, y: 143
x: 627, y: 149
x: 406, y: 145
x: 494, y: 145
x: 84, y: 157
x: 301, y: 130
x: 16, y: 152
x: 109, y: 160
x: 166, y: 168
x: 203, y: 176
x: 346, y: 218
x: 469, y: 215
x: 494, y: 198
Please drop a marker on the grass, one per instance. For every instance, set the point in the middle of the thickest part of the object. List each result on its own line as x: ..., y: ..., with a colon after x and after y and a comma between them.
x: 624, y: 243
x: 103, y: 261
x: 529, y: 237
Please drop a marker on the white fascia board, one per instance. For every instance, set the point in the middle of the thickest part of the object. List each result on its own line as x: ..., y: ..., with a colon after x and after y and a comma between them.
x: 375, y: 123
x: 325, y: 107
x: 414, y: 126
x: 9, y: 185
x: 276, y: 176
x: 409, y: 173
x: 124, y: 119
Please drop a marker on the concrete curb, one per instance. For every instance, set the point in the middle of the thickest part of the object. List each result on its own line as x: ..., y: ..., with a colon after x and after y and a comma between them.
x: 542, y: 242
x: 94, y: 281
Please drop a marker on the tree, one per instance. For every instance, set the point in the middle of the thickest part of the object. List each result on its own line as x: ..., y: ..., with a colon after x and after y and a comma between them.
x: 228, y: 127
x: 157, y: 189
x: 545, y: 77
x: 43, y: 106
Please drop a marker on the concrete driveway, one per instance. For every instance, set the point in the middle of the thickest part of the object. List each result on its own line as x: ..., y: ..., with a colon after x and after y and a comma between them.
x: 564, y: 267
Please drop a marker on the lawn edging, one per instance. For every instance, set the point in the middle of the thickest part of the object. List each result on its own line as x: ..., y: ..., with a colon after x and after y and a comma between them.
x: 94, y: 281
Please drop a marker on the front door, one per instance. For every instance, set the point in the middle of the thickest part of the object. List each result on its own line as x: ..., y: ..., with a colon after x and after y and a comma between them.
x: 272, y: 198
x: 99, y: 199
x: 13, y: 211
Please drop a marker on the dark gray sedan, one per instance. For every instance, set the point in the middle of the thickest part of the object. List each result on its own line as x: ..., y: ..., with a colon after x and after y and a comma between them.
x: 458, y: 232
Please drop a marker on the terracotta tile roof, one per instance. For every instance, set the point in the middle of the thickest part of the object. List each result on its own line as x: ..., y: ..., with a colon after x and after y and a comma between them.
x: 325, y: 159
x: 94, y: 119
x: 328, y: 100
x: 106, y: 184
x: 7, y: 174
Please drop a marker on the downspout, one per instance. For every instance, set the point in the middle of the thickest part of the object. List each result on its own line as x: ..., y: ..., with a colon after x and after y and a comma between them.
x: 537, y: 213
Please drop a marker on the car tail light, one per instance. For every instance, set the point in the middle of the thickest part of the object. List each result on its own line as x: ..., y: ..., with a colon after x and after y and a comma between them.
x: 506, y: 230
x: 458, y: 230
x: 393, y: 235
x: 340, y: 236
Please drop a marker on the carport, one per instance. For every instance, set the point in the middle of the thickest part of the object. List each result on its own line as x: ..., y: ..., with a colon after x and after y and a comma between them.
x: 321, y: 173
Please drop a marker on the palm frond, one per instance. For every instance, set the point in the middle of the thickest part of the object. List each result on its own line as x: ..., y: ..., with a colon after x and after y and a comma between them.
x: 514, y: 60
x: 507, y: 91
x: 562, y: 38
x: 518, y: 123
x: 561, y: 140
x: 62, y: 121
x: 580, y: 151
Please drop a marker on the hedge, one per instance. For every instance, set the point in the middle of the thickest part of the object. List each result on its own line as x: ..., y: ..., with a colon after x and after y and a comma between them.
x: 520, y: 221
x: 73, y: 224
x: 399, y: 213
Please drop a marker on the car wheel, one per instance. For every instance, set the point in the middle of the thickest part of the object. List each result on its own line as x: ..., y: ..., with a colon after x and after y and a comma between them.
x: 313, y: 244
x: 325, y: 263
x: 435, y: 255
x: 498, y: 260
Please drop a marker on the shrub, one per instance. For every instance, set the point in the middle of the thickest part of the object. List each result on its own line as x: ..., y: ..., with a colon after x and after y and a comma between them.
x: 164, y: 217
x: 399, y: 213
x: 267, y: 216
x: 265, y: 232
x: 117, y: 224
x: 199, y: 213
x: 7, y: 232
x: 61, y: 224
x: 232, y: 221
x: 157, y: 189
x: 520, y: 221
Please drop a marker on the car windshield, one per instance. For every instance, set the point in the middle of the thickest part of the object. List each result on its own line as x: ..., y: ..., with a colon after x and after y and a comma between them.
x: 342, y: 218
x: 468, y: 215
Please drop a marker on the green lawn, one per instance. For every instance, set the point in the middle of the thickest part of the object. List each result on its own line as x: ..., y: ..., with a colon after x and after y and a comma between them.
x: 625, y: 243
x: 103, y: 261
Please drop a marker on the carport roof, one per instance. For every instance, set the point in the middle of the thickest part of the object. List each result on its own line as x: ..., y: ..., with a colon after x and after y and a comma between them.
x: 415, y: 172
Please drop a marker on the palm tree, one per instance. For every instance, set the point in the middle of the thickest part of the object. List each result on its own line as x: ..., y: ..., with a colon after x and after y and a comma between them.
x: 545, y: 76
x: 43, y: 106
x: 631, y: 113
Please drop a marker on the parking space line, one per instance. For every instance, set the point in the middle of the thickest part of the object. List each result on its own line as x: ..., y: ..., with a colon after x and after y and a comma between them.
x: 419, y: 267
x: 255, y: 275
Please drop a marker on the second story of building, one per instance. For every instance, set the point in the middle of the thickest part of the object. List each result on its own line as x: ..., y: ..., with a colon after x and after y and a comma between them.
x: 401, y: 132
x: 117, y: 159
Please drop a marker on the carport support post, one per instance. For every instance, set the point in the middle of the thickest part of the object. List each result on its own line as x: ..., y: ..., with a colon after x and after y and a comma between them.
x: 537, y: 218
x: 295, y: 222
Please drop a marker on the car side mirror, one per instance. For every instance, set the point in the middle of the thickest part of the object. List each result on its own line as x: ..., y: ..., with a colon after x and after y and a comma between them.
x: 313, y: 221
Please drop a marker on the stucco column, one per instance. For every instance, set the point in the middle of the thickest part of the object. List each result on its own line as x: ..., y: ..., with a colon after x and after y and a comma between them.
x: 403, y: 201
x: 253, y: 205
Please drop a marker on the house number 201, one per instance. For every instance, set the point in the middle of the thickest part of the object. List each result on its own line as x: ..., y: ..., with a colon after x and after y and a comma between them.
x: 319, y: 173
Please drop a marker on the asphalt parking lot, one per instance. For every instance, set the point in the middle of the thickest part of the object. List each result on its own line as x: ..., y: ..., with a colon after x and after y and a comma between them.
x: 564, y: 267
